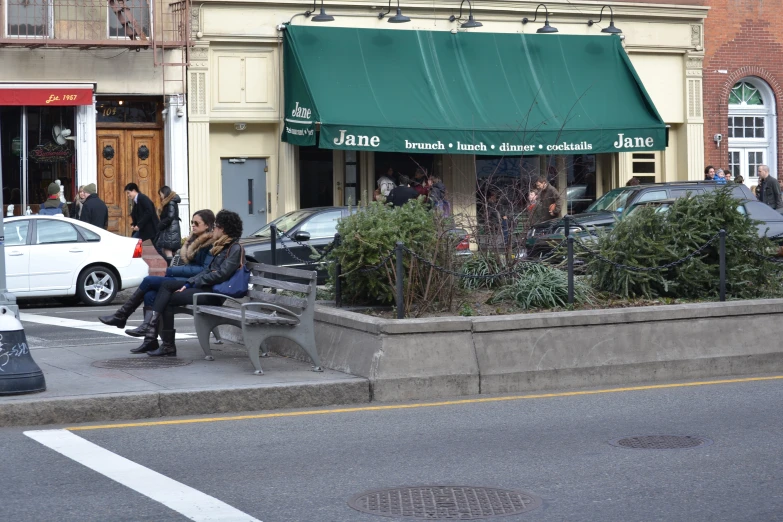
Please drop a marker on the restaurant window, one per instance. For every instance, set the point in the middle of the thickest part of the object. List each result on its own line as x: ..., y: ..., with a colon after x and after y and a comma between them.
x: 315, y: 177
x: 49, y: 155
x: 645, y: 166
x: 751, y: 128
x: 397, y: 164
x: 351, y: 192
x: 574, y: 174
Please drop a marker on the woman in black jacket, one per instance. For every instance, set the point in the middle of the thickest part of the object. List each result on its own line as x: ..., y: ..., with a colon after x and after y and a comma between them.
x: 169, y: 235
x: 227, y: 259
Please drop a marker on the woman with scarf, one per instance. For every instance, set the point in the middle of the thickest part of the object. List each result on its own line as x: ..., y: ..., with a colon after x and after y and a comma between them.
x: 227, y: 257
x: 169, y: 235
x: 194, y: 256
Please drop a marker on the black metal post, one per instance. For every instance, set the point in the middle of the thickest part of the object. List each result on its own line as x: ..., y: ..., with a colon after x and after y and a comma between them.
x: 273, y: 231
x: 570, y: 244
x: 338, y: 272
x: 722, y: 255
x: 400, y: 281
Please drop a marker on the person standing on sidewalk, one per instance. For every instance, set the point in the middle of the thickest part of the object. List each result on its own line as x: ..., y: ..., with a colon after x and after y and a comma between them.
x: 169, y: 235
x: 144, y: 217
x: 194, y: 257
x: 768, y: 190
x: 53, y: 206
x: 94, y: 211
x: 548, y: 204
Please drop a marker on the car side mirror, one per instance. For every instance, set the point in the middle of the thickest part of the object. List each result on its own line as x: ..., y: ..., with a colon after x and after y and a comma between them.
x: 302, y: 236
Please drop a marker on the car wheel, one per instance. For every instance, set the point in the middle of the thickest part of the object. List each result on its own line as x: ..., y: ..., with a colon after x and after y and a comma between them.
x: 97, y: 286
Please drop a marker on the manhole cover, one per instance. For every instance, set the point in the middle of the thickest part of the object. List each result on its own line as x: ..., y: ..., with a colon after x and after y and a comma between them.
x: 141, y: 363
x: 444, y: 502
x: 661, y: 442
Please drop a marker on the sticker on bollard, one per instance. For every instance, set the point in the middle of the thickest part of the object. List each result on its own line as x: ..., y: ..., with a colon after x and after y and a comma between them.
x: 18, y: 371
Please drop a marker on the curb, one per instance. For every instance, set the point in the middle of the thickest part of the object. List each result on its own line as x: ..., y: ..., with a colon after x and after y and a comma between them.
x: 153, y: 405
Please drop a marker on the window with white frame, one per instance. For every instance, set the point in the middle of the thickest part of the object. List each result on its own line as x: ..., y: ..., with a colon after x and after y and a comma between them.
x: 751, y: 128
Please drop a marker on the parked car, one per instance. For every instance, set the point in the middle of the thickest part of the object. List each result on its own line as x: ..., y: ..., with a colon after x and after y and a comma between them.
x: 609, y: 208
x: 305, y: 228
x: 53, y: 256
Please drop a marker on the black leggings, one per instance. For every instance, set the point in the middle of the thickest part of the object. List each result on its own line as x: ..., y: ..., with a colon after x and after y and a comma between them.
x: 168, y: 296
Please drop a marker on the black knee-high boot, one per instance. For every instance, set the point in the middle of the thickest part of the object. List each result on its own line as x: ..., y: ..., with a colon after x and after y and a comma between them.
x: 120, y: 317
x: 150, y: 335
x: 167, y: 348
x: 139, y: 330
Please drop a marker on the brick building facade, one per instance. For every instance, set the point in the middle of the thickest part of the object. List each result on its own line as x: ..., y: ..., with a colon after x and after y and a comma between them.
x: 743, y: 71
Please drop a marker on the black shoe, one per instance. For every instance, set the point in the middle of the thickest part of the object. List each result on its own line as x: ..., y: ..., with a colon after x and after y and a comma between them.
x: 120, y: 317
x: 149, y: 328
x: 168, y: 348
x: 139, y: 330
x: 147, y: 346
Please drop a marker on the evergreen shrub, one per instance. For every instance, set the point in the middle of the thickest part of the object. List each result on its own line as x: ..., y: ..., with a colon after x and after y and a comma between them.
x: 649, y: 238
x: 542, y: 286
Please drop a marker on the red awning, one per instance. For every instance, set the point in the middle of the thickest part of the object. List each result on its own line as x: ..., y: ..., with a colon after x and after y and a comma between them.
x: 43, y: 96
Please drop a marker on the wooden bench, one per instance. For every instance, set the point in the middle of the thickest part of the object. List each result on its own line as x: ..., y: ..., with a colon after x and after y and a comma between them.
x: 265, y: 314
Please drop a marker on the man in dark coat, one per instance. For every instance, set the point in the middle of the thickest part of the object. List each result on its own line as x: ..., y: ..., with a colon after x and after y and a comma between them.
x: 769, y: 191
x: 402, y: 194
x: 144, y: 217
x: 548, y: 202
x: 94, y: 211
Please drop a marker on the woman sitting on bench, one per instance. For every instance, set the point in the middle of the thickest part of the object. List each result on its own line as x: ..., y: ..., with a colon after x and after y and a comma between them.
x: 194, y: 256
x: 227, y: 259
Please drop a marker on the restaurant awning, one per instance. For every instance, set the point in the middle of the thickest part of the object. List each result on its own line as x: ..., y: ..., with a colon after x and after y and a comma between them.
x: 45, y: 94
x: 464, y: 93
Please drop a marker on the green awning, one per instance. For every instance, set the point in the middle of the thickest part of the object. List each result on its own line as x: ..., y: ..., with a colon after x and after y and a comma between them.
x: 465, y: 93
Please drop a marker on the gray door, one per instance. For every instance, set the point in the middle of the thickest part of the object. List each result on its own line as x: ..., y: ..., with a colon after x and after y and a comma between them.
x: 244, y: 190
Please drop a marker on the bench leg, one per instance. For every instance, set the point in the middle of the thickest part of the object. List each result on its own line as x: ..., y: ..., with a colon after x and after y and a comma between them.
x: 264, y: 350
x: 305, y: 337
x: 253, y: 344
x: 204, y: 326
x: 218, y: 339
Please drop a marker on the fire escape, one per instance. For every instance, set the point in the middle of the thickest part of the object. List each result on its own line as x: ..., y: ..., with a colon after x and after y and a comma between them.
x: 160, y: 27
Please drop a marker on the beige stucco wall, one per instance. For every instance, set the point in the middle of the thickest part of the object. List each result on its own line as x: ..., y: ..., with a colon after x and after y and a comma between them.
x: 239, y: 63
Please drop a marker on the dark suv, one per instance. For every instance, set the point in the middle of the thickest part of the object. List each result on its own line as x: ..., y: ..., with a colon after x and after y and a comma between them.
x: 609, y: 208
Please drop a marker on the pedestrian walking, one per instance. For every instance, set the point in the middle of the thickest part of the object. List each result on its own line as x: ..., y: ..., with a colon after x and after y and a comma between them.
x: 768, y: 190
x: 548, y: 202
x: 53, y: 206
x: 144, y: 218
x: 437, y: 194
x: 193, y: 258
x: 228, y: 256
x: 169, y: 233
x: 94, y: 211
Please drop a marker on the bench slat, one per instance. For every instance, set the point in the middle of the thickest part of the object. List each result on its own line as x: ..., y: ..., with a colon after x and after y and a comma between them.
x: 250, y: 317
x: 281, y: 270
x: 280, y: 285
x: 284, y: 300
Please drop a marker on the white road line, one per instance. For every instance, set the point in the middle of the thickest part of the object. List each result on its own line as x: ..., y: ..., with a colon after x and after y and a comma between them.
x: 85, y: 325
x: 183, y: 499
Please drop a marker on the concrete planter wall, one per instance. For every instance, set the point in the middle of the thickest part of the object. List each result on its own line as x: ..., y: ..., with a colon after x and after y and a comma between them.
x: 441, y: 357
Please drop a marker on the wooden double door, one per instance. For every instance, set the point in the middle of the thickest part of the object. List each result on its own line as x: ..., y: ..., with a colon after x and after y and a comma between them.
x: 128, y: 156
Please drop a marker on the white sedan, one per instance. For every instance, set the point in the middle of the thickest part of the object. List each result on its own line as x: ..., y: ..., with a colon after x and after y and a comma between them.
x: 53, y: 256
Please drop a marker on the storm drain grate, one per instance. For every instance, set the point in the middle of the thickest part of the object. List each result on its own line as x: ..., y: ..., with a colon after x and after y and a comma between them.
x: 444, y: 502
x: 141, y: 363
x: 661, y: 442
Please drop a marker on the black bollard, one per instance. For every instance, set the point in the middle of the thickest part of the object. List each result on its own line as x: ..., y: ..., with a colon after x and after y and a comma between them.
x: 338, y: 272
x: 18, y: 371
x: 722, y: 256
x: 400, y: 281
x: 273, y: 232
x: 570, y: 244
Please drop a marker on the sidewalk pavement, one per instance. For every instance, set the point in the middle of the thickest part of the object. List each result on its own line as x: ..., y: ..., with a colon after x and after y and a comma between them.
x: 80, y: 387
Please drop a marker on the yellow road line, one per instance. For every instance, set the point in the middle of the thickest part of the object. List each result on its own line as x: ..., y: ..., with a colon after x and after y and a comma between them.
x: 420, y: 405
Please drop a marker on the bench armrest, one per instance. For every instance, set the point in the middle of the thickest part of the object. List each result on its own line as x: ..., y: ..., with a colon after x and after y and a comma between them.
x: 269, y: 306
x: 196, y: 296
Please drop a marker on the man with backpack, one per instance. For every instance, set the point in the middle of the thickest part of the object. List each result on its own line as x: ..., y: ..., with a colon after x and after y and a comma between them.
x: 53, y: 206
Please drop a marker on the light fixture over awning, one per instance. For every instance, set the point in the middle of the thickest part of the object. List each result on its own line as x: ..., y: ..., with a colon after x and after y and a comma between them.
x: 45, y: 95
x: 464, y: 93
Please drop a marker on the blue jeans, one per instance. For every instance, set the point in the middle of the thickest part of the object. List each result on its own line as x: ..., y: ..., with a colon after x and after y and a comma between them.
x: 150, y: 286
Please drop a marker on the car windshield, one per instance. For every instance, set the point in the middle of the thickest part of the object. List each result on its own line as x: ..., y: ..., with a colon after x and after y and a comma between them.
x: 614, y: 200
x: 283, y: 223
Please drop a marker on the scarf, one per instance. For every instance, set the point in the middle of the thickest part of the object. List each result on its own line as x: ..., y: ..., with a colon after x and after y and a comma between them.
x: 220, y: 244
x: 193, y: 245
x: 166, y: 202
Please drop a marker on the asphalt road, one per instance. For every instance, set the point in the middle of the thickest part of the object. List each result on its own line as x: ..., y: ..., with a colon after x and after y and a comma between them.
x: 305, y: 466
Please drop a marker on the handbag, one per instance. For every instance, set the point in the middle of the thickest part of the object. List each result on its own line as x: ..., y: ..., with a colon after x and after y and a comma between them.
x: 237, y: 284
x: 177, y: 260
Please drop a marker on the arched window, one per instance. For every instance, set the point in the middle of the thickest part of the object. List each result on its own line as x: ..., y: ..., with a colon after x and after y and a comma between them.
x: 752, y: 127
